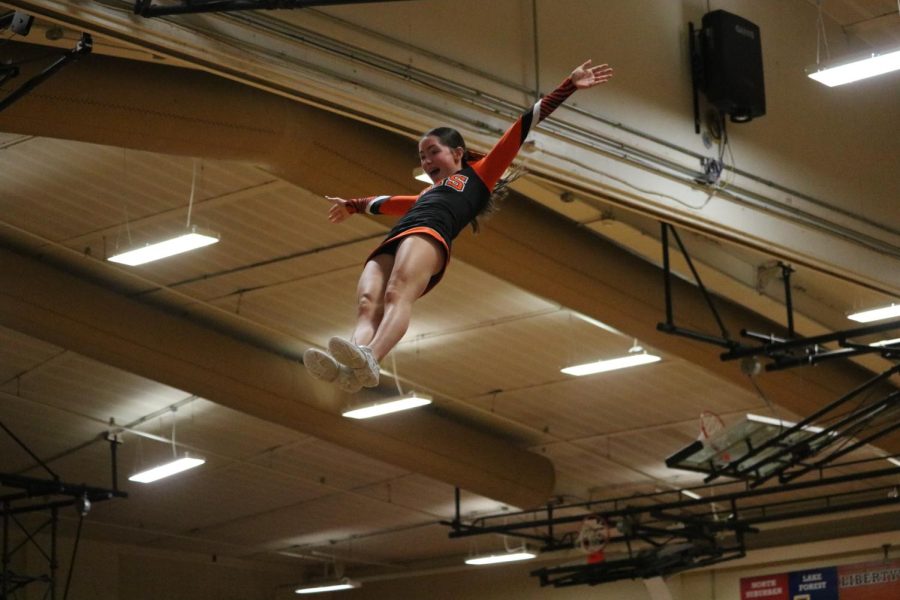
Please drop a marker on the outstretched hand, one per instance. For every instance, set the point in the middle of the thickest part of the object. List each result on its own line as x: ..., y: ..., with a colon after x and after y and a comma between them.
x: 338, y: 210
x: 586, y: 76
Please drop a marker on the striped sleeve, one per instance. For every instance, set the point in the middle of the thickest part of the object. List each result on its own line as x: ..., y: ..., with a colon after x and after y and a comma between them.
x: 491, y: 167
x: 381, y: 205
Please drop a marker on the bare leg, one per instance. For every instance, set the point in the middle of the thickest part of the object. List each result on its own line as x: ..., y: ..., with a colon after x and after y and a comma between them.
x: 418, y: 258
x: 370, y: 298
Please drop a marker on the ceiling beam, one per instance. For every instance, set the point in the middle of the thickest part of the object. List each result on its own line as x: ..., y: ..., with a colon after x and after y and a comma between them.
x: 178, y: 111
x: 48, y: 303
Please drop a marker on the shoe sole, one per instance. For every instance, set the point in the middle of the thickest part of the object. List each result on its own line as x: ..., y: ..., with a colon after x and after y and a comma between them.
x: 366, y: 377
x: 346, y: 353
x: 320, y: 365
x: 346, y: 380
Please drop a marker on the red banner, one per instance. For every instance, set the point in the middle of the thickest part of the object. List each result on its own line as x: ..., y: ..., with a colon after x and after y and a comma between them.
x: 870, y: 581
x: 767, y: 587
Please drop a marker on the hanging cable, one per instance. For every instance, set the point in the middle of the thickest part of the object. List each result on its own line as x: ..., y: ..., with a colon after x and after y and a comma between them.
x: 174, y: 448
x: 74, y: 553
x: 821, y: 34
x: 396, y: 376
x: 193, y: 188
x: 537, y: 64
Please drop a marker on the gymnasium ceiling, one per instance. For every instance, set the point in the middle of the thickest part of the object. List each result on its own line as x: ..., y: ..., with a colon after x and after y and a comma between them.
x: 201, y: 351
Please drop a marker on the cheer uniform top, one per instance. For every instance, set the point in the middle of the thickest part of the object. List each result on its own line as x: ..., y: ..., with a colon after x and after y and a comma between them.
x: 444, y: 209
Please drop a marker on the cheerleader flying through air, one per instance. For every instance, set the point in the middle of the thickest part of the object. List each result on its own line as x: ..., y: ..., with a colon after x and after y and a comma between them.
x: 412, y: 258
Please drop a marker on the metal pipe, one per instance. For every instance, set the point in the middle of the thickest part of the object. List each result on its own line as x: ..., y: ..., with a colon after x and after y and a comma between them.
x: 81, y: 48
x: 810, y: 341
x: 667, y: 274
x: 775, y: 441
x: 5, y: 573
x: 720, y: 498
x: 854, y: 419
x: 54, y: 512
x: 789, y: 305
x: 706, y: 296
x: 145, y: 8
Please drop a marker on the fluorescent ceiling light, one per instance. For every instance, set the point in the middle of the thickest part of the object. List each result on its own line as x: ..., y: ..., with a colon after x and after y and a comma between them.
x: 894, y: 461
x: 333, y: 586
x: 780, y: 423
x: 384, y: 407
x: 886, y: 342
x: 420, y: 175
x: 183, y: 243
x: 876, y: 314
x: 494, y: 559
x: 870, y: 66
x: 691, y: 494
x: 632, y: 360
x: 167, y: 469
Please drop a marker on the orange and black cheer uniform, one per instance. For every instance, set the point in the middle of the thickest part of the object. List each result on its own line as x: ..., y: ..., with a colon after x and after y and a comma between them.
x: 443, y: 210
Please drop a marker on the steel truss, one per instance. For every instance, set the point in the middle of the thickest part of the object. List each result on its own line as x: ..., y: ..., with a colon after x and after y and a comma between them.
x: 860, y: 417
x: 661, y: 534
x: 39, y: 495
x: 147, y: 8
x: 9, y: 71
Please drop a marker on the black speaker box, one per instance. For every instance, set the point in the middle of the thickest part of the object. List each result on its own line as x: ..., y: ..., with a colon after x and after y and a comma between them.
x: 732, y: 78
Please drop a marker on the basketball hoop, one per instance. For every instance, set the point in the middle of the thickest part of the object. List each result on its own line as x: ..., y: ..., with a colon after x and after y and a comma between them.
x: 712, y: 430
x: 592, y: 538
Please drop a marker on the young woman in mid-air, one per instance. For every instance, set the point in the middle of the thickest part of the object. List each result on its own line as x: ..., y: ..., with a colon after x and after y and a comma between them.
x: 414, y: 255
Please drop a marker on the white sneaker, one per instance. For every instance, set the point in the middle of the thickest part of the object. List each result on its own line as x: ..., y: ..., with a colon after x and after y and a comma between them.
x: 320, y: 364
x: 347, y: 381
x: 369, y: 375
x: 358, y: 358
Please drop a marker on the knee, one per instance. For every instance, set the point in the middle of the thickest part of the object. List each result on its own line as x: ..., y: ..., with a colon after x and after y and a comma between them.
x: 368, y: 304
x: 396, y: 291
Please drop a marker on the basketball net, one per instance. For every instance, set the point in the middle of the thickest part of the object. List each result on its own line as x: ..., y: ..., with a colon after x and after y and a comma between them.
x: 592, y: 538
x: 712, y: 434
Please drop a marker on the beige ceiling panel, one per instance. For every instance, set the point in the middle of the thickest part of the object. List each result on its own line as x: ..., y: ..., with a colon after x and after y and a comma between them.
x: 579, y: 470
x: 19, y: 354
x: 401, y: 545
x: 432, y: 498
x: 329, y: 517
x: 82, y: 386
x: 334, y: 467
x: 46, y: 431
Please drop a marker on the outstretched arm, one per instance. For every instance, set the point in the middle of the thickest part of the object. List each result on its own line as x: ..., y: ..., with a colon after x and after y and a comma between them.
x: 491, y: 168
x: 587, y: 76
x: 341, y: 208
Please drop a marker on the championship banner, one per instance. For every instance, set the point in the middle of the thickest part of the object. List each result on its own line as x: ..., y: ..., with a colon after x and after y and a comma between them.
x: 816, y: 584
x: 870, y: 581
x: 767, y: 587
x: 865, y: 581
